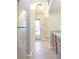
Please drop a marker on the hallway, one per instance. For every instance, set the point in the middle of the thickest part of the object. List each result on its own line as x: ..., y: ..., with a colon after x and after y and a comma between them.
x: 30, y: 11
x: 42, y: 51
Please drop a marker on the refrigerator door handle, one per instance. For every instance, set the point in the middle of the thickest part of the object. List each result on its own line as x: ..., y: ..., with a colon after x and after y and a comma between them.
x: 21, y: 27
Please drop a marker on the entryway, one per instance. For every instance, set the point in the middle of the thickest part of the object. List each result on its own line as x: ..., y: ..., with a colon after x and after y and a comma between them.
x: 37, y: 29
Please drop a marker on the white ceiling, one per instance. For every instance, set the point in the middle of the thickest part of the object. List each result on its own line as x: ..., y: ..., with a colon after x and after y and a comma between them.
x: 36, y: 2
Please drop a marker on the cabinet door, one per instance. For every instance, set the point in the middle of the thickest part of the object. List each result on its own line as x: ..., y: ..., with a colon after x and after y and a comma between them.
x: 21, y: 43
x: 53, y: 38
x: 59, y: 50
x: 54, y: 43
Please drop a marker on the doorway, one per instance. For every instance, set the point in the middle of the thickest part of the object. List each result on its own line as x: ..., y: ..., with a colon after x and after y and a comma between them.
x: 37, y: 29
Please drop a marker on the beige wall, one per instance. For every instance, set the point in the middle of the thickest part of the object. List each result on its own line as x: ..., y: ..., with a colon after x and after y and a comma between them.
x: 55, y: 21
x: 55, y: 15
x: 46, y: 30
x: 32, y: 30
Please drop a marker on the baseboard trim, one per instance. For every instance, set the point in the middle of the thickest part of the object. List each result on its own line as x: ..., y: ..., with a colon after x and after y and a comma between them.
x: 31, y: 52
x: 50, y: 47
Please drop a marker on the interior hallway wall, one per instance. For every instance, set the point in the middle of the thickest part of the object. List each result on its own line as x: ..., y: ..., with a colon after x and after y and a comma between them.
x: 32, y: 30
x: 46, y: 30
x: 55, y: 15
x: 55, y: 21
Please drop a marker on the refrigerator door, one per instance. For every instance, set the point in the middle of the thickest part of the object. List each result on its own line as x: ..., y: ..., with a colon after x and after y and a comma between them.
x: 21, y: 43
x: 22, y: 35
x: 21, y: 21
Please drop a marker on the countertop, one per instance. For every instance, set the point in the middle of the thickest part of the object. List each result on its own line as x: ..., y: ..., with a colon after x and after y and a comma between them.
x: 58, y: 33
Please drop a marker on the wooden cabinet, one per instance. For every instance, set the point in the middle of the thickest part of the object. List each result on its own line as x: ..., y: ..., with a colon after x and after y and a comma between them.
x: 56, y: 43
x: 59, y: 50
x: 58, y: 40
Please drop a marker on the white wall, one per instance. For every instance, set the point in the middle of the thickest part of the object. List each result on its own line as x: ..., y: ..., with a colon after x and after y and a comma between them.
x: 55, y: 15
x: 32, y: 30
x: 55, y: 21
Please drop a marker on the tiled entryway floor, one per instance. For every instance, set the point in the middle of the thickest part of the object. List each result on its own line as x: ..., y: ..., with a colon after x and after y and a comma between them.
x: 42, y: 51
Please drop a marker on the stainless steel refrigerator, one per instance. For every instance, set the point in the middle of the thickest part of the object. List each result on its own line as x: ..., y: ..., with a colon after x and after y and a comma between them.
x: 21, y: 34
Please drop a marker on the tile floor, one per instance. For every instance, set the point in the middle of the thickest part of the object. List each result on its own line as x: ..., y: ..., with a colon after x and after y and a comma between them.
x: 42, y: 51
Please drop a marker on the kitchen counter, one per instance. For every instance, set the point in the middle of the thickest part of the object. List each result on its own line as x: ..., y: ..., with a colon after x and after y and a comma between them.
x: 57, y: 33
x: 57, y: 36
x: 56, y: 41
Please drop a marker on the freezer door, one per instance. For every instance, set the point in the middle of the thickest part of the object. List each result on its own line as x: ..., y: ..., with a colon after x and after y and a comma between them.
x: 21, y: 43
x: 22, y: 19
